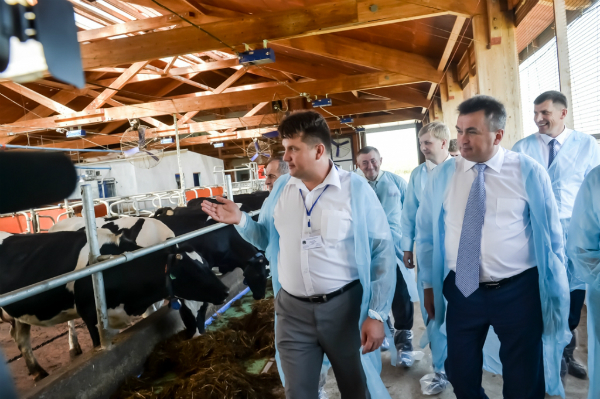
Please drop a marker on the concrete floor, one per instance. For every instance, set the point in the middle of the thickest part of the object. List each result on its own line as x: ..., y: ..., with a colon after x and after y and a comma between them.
x: 404, y: 383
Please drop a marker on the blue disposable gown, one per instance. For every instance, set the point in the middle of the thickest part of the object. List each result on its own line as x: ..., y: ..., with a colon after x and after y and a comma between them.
x: 576, y: 158
x: 416, y: 184
x: 549, y: 254
x: 375, y: 258
x: 583, y: 248
x: 391, y: 190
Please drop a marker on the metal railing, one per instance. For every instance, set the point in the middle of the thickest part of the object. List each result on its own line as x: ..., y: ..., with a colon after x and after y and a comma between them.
x: 132, y: 205
x: 97, y: 268
x: 254, y: 183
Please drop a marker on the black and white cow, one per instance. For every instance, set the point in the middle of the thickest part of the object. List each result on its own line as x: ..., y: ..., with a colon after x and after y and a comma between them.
x: 193, y: 314
x: 130, y: 288
x: 250, y: 202
x: 223, y: 248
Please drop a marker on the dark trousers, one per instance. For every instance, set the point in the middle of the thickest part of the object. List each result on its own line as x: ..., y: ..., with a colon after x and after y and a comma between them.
x: 577, y: 299
x: 515, y: 312
x: 402, y: 307
x: 305, y: 331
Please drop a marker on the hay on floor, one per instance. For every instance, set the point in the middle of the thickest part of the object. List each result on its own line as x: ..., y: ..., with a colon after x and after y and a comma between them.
x: 214, y: 365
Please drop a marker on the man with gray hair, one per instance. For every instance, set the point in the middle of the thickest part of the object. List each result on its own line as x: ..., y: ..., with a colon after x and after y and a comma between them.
x: 433, y: 141
x: 390, y: 190
x: 274, y: 170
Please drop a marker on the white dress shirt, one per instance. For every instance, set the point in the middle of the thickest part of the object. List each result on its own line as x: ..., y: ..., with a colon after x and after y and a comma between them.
x: 544, y: 140
x: 431, y: 166
x: 507, y: 247
x: 317, y: 271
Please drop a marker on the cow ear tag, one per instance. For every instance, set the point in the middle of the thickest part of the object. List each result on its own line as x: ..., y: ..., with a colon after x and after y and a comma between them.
x: 172, y: 277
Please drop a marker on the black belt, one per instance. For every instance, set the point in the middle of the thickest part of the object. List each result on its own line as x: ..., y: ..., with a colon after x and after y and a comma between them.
x: 493, y: 285
x: 326, y: 297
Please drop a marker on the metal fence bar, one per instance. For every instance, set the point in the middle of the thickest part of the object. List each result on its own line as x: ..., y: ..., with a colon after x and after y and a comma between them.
x: 97, y: 278
x: 229, y: 188
x: 46, y: 285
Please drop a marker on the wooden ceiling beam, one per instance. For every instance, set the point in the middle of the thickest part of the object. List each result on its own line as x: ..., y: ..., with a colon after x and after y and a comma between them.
x: 367, y: 54
x: 319, y: 19
x: 38, y: 98
x: 398, y: 116
x: 249, y: 121
x: 62, y: 96
x: 456, y: 29
x: 126, y: 8
x: 220, y: 89
x: 364, y: 107
x: 317, y: 87
x: 116, y: 86
x: 172, y: 21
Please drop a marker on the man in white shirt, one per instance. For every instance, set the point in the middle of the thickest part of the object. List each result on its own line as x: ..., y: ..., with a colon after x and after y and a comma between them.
x: 568, y: 156
x: 433, y: 143
x: 274, y: 170
x: 390, y: 190
x: 490, y: 240
x: 333, y: 264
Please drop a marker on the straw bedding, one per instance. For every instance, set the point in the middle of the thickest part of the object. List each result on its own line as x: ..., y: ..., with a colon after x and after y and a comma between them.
x: 213, y: 365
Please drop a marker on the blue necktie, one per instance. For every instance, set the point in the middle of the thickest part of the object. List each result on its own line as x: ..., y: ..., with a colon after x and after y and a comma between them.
x: 469, y: 248
x: 552, y: 154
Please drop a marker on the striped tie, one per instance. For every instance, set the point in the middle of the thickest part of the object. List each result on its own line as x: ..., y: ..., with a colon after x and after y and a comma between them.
x: 469, y: 248
x: 552, y: 154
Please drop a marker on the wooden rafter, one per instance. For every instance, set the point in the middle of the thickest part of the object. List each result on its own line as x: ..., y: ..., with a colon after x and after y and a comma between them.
x: 250, y: 120
x: 367, y: 54
x: 38, y: 98
x: 61, y: 97
x: 211, y: 101
x: 220, y: 89
x: 319, y: 19
x: 456, y: 29
x: 116, y: 86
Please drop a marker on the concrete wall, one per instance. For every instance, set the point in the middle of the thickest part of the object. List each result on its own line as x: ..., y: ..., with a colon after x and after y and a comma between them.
x: 135, y: 180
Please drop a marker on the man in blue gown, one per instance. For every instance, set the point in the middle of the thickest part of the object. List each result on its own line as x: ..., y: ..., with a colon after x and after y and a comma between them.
x: 490, y: 250
x: 391, y: 189
x: 583, y: 248
x: 333, y: 263
x: 568, y: 156
x: 433, y: 143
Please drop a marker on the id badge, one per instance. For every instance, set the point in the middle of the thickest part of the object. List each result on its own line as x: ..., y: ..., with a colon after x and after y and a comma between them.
x: 312, y: 242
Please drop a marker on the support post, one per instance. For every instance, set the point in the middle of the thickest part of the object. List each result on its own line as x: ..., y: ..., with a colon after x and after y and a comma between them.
x: 97, y: 278
x: 562, y: 48
x: 181, y: 177
x: 229, y: 187
x: 452, y: 96
x: 498, y: 65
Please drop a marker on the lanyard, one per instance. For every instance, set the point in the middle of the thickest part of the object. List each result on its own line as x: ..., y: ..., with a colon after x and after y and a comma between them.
x: 308, y: 212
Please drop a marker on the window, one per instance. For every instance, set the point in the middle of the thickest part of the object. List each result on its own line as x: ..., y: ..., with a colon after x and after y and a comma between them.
x: 178, y: 180
x: 197, y: 179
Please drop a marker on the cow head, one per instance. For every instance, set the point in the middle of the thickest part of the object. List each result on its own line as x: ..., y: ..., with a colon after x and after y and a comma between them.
x: 255, y: 275
x: 193, y: 279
